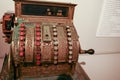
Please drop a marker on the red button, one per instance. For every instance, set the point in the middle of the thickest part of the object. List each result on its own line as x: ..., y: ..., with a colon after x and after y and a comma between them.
x: 22, y: 29
x: 38, y: 57
x: 37, y: 43
x: 22, y: 33
x: 22, y: 43
x: 22, y: 37
x: 37, y: 38
x: 21, y: 54
x: 38, y: 33
x: 21, y: 48
x: 38, y: 62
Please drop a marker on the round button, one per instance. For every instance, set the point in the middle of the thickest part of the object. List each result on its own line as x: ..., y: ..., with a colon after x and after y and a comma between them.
x: 55, y: 43
x: 55, y: 33
x: 55, y: 58
x: 22, y: 33
x: 70, y: 47
x: 38, y: 57
x: 70, y: 61
x: 54, y: 29
x: 55, y: 48
x: 67, y: 26
x: 69, y: 39
x: 70, y: 56
x: 55, y: 62
x: 38, y: 33
x: 54, y: 26
x: 21, y: 48
x: 70, y: 52
x: 22, y: 38
x: 37, y: 43
x: 70, y: 43
x: 22, y: 43
x: 68, y: 30
x: 69, y: 34
x: 22, y: 28
x: 55, y: 53
x: 38, y: 62
x: 21, y: 54
x: 37, y: 38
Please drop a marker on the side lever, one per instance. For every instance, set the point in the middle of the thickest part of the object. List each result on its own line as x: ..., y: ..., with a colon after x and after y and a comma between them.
x: 89, y: 51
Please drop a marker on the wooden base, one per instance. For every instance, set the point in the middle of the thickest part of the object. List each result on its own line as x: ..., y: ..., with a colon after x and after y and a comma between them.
x: 79, y: 75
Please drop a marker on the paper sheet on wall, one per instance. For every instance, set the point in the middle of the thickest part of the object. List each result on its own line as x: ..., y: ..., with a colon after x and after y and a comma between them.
x: 109, y: 25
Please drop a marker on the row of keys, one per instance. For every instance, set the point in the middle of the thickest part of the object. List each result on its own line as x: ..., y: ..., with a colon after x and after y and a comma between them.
x: 55, y: 34
x: 70, y: 47
x: 22, y: 41
x: 38, y: 44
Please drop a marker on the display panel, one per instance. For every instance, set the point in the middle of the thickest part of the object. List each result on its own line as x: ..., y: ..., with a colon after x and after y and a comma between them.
x: 44, y: 10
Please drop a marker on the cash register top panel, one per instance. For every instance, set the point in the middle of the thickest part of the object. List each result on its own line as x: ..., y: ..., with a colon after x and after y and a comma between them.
x: 37, y: 9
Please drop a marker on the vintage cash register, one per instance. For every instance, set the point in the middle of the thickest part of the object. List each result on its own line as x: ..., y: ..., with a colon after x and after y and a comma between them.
x: 43, y: 41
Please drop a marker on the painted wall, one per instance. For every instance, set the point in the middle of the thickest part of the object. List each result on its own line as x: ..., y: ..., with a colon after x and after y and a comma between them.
x: 102, y: 67
x: 99, y: 67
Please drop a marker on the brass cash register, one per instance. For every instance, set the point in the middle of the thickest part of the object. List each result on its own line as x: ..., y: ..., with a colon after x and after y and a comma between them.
x: 44, y: 41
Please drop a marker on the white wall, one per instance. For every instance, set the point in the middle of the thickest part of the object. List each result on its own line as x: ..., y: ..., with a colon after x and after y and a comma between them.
x: 6, y: 5
x: 87, y: 14
x: 102, y: 67
x: 86, y: 20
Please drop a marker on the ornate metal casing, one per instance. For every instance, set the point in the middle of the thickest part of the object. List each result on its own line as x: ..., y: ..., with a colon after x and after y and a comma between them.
x: 45, y: 40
